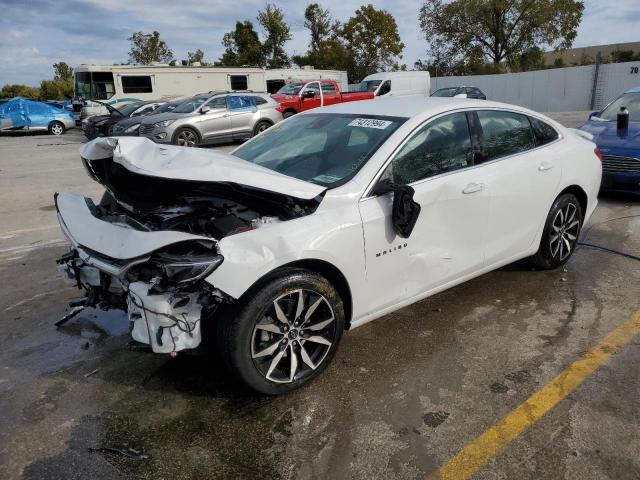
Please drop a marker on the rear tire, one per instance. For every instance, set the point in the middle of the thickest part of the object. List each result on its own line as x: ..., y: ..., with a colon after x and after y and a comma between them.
x: 56, y: 128
x: 260, y: 127
x: 288, y: 114
x: 186, y: 137
x: 560, y: 235
x: 272, y: 351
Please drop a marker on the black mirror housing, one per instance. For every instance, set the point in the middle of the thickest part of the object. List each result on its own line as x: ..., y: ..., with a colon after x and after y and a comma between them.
x: 405, y: 211
x: 384, y: 186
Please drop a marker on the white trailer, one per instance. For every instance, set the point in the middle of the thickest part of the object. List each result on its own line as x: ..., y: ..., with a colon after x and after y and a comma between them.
x: 119, y: 84
x: 277, y: 78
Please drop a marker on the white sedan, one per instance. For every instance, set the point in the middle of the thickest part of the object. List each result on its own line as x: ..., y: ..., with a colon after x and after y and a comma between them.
x: 320, y: 224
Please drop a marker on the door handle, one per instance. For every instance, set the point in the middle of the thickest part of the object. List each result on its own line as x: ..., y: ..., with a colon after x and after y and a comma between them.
x: 473, y: 188
x: 544, y: 166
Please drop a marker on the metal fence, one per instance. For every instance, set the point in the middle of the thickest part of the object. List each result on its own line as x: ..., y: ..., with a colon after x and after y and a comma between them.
x: 589, y: 87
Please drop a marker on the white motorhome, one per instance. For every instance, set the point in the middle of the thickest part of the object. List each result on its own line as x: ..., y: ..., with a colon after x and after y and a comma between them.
x: 117, y: 84
x: 391, y: 84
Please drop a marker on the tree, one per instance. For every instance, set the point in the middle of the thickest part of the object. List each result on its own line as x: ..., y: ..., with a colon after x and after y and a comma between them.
x: 326, y: 48
x: 502, y: 30
x: 147, y: 48
x: 618, y: 56
x: 15, y: 90
x: 62, y: 71
x: 242, y: 47
x: 194, y: 57
x: 372, y: 40
x: 271, y: 19
x: 531, y: 59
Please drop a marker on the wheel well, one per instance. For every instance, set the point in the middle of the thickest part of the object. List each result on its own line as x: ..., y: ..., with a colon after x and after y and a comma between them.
x: 580, y: 194
x: 289, y: 110
x: 328, y: 271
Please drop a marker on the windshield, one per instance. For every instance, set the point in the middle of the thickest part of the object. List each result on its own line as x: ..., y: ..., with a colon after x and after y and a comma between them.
x: 325, y: 149
x: 94, y: 85
x: 291, y: 89
x: 190, y: 105
x: 445, y: 92
x: 629, y: 100
x: 128, y: 109
x: 368, y: 86
x: 167, y: 107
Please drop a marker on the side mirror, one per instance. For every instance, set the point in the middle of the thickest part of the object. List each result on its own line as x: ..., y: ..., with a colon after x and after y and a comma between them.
x: 405, y: 211
x: 594, y: 114
x: 308, y: 94
x: 205, y: 109
x: 383, y: 187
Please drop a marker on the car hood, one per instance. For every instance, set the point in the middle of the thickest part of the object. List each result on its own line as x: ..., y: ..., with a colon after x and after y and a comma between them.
x: 142, y: 156
x: 282, y: 97
x: 160, y: 117
x: 98, y: 119
x: 610, y: 141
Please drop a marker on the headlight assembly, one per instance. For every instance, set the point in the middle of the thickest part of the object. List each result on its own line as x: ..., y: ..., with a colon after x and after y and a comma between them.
x: 133, y: 128
x: 164, y: 123
x: 185, y: 269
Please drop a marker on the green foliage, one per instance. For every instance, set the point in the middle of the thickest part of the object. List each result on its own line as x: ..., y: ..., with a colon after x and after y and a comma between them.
x: 62, y: 71
x: 271, y: 19
x: 618, y: 56
x: 197, y: 56
x: 500, y: 30
x: 531, y: 59
x: 242, y: 47
x: 15, y: 90
x: 61, y: 86
x: 558, y: 63
x: 372, y: 39
x: 147, y: 48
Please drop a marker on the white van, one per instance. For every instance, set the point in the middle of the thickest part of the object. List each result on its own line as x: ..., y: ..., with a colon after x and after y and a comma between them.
x: 390, y: 84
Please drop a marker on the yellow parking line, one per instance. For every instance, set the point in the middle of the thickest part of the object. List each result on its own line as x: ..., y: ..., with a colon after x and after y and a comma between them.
x: 472, y: 457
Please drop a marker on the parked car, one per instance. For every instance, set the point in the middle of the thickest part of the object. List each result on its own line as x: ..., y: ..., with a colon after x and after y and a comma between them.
x: 102, y: 125
x: 214, y: 117
x: 620, y: 148
x: 298, y: 97
x: 387, y: 84
x: 130, y: 126
x: 322, y: 223
x: 460, y: 92
x: 20, y: 114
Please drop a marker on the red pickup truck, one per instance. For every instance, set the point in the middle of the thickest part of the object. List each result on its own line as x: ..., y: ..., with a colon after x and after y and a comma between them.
x: 300, y: 96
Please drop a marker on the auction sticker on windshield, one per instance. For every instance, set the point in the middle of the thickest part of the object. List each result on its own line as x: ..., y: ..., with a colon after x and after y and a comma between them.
x: 370, y: 123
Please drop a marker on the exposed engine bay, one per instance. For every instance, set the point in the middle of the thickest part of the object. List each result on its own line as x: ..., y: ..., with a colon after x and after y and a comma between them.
x: 150, y: 243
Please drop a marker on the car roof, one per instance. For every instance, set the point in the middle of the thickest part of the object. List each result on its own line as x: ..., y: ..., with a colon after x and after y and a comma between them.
x: 409, y: 106
x: 633, y: 90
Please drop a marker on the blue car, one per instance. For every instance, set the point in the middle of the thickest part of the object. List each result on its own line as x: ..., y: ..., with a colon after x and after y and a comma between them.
x: 20, y: 114
x: 620, y: 148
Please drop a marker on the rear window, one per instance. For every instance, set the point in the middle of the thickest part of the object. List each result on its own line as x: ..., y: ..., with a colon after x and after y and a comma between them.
x: 136, y: 84
x: 259, y: 100
x: 543, y: 132
x: 239, y: 82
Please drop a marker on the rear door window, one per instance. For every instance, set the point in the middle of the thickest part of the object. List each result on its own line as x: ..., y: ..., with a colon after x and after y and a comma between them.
x: 328, y: 88
x: 504, y: 133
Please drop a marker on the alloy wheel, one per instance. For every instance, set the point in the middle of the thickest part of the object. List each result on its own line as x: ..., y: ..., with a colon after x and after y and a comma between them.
x: 262, y: 127
x: 564, y: 231
x: 187, y: 138
x: 57, y: 129
x: 293, y: 337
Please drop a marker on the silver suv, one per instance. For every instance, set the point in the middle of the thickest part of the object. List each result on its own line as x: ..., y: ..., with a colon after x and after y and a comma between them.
x: 214, y: 117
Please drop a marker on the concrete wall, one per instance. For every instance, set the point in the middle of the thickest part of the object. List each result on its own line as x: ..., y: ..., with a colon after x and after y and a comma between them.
x: 554, y: 90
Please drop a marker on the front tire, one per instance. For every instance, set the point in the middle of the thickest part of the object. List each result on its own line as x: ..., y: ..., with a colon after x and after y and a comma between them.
x: 283, y: 334
x: 56, y: 128
x: 186, y: 137
x: 560, y: 235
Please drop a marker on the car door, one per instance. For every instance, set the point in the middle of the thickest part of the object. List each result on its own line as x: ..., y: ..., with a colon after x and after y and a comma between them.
x: 215, y: 124
x: 329, y: 94
x: 243, y: 113
x: 521, y: 181
x: 448, y: 238
x: 38, y: 116
x: 311, y: 102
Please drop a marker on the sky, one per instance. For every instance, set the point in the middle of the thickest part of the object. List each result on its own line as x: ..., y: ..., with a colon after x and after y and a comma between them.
x: 37, y: 33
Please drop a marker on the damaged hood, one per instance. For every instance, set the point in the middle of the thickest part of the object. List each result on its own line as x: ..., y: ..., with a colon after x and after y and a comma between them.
x: 142, y: 156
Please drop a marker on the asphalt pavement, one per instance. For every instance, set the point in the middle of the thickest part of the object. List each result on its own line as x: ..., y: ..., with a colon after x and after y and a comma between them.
x: 404, y: 396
